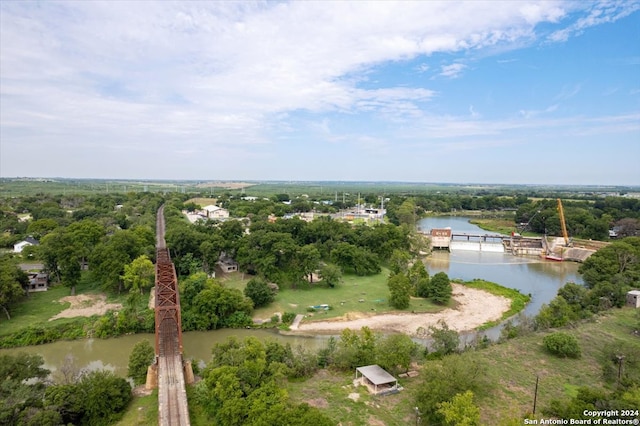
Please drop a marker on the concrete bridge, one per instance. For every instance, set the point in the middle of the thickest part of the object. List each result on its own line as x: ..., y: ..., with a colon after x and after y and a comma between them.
x: 495, y: 243
x: 476, y: 242
x: 169, y: 372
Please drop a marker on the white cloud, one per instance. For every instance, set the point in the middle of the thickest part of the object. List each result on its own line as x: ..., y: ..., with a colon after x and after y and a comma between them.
x: 199, y: 78
x: 597, y: 13
x: 453, y: 70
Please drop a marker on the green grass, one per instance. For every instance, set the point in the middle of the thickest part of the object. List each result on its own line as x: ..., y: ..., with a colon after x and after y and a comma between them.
x: 514, y: 365
x: 329, y: 390
x: 500, y: 225
x: 518, y: 300
x: 142, y: 411
x: 39, y: 307
x: 343, y: 299
x: 511, y: 369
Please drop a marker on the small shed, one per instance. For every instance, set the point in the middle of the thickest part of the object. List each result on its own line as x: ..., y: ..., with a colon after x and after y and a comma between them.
x: 633, y: 298
x: 376, y: 379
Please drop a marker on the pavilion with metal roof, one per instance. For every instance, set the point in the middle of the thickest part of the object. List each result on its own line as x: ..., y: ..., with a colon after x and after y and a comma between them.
x: 374, y: 376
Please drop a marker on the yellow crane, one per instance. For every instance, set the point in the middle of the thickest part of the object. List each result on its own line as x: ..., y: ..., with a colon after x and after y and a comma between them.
x: 565, y: 234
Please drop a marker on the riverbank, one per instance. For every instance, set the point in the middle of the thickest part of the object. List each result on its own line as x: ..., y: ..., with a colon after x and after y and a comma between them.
x: 473, y: 308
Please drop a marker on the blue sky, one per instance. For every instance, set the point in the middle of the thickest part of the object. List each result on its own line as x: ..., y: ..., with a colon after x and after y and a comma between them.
x: 512, y: 92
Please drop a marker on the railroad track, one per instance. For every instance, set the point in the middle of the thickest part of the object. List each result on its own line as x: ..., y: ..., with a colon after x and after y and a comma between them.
x: 172, y: 397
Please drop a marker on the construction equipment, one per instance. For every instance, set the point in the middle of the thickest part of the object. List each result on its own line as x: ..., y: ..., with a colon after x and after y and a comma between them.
x: 565, y: 234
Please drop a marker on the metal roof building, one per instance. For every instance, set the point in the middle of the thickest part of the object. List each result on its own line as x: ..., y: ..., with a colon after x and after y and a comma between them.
x: 378, y: 377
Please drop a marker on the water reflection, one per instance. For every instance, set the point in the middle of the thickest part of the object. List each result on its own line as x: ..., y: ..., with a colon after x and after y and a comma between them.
x: 531, y: 275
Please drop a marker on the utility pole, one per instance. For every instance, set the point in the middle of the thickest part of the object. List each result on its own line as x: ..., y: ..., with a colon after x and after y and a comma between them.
x: 535, y: 395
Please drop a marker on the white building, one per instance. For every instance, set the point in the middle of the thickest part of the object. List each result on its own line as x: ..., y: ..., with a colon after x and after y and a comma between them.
x: 29, y: 241
x: 215, y: 212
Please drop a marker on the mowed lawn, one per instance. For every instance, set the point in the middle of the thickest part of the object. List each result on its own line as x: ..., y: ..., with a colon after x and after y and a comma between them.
x: 355, y: 294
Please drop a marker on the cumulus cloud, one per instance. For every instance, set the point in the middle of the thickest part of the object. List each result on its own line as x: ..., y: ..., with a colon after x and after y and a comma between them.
x: 224, y: 77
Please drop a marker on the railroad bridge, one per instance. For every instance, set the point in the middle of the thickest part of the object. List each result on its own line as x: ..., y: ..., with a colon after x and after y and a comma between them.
x: 169, y: 372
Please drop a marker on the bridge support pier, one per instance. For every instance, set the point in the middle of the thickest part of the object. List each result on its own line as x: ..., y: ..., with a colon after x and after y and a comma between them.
x: 152, y: 377
x: 188, y: 373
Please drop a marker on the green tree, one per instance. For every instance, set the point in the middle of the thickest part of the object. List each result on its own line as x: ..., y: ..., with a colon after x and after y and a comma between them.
x: 355, y: 348
x: 142, y: 356
x: 308, y: 258
x: 139, y: 274
x: 13, y: 281
x: 440, y: 288
x: 445, y: 340
x: 399, y: 263
x: 104, y: 397
x: 258, y: 291
x: 419, y: 278
x: 21, y: 386
x: 406, y: 213
x: 444, y: 379
x: 394, y: 352
x: 460, y: 411
x: 331, y: 274
x: 399, y: 291
x: 557, y: 313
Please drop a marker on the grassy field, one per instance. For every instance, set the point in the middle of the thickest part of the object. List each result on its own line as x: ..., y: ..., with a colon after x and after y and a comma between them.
x: 202, y: 201
x: 39, y: 307
x: 142, y: 411
x: 512, y: 368
x: 499, y: 225
x: 354, y: 294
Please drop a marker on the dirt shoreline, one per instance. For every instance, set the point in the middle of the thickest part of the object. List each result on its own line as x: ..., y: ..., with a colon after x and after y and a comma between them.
x: 474, y: 308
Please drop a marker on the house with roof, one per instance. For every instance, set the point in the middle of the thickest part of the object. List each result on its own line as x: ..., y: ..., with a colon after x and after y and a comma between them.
x: 29, y: 241
x: 38, y: 282
x: 215, y: 212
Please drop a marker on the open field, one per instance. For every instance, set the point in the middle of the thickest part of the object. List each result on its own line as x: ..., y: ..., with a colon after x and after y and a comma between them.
x: 500, y: 225
x: 13, y: 187
x: 39, y: 308
x: 344, y: 298
x: 362, y: 301
x: 201, y: 201
x: 513, y: 366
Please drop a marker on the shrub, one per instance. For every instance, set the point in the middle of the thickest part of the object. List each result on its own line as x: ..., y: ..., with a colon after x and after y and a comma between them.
x: 445, y: 340
x: 562, y: 344
x: 288, y: 317
x: 238, y: 319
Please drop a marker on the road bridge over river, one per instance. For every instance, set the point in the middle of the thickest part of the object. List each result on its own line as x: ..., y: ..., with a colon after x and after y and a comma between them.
x: 172, y: 397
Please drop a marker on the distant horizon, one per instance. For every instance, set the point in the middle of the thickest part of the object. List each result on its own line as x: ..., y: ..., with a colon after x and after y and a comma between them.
x: 266, y: 181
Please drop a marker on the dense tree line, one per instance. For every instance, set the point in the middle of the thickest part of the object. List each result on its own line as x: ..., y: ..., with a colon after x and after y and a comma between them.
x: 28, y: 397
x: 286, y: 251
x: 608, y: 275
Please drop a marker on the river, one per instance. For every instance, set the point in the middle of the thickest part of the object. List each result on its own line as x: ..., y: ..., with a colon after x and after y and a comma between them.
x: 530, y: 275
